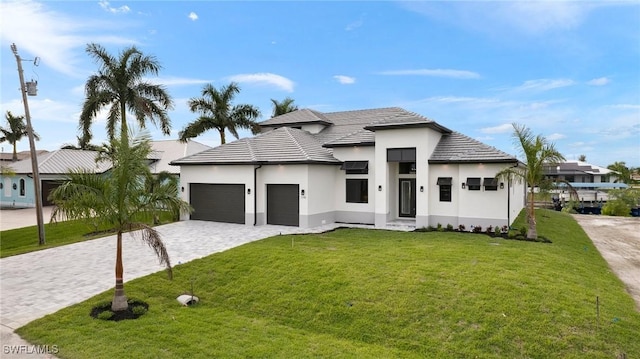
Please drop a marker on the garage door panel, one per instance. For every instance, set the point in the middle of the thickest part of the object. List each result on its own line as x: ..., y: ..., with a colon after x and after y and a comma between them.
x: 283, y: 204
x: 217, y: 202
x: 47, y: 187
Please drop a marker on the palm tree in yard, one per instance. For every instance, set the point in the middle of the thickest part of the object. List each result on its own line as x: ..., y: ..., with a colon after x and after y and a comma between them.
x: 623, y: 172
x: 217, y: 112
x: 120, y: 87
x: 282, y: 107
x: 13, y: 133
x: 537, y: 152
x: 120, y: 200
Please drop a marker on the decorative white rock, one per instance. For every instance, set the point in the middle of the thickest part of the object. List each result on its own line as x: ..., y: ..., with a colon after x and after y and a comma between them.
x: 188, y: 300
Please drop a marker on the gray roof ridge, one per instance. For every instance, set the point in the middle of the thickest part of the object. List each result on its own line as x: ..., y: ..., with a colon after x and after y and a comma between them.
x: 366, y: 109
x: 295, y: 140
x: 252, y: 151
x: 348, y: 135
x: 47, y: 158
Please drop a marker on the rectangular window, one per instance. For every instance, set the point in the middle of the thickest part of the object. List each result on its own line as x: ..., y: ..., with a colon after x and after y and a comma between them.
x: 490, y: 184
x: 570, y: 178
x: 23, y: 188
x: 473, y: 183
x: 401, y: 154
x: 405, y: 168
x: 357, y: 191
x: 445, y: 188
x: 355, y: 167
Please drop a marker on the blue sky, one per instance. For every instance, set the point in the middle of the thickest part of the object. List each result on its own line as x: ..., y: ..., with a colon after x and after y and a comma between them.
x: 568, y: 70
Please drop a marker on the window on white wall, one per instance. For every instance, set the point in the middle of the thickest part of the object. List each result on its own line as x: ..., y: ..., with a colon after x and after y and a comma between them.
x: 355, y: 167
x: 445, y: 188
x: 490, y: 184
x: 23, y: 189
x: 7, y: 187
x: 473, y: 183
x: 357, y: 191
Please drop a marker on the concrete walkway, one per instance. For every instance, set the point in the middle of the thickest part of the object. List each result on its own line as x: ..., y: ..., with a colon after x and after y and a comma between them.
x: 23, y: 217
x: 35, y: 284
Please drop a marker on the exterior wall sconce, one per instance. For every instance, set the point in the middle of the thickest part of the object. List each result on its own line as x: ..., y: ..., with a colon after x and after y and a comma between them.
x: 182, y: 188
x: 302, y: 193
x: 15, y: 186
x: 249, y: 191
x: 421, y: 188
x: 380, y: 188
x: 501, y: 185
x: 463, y: 185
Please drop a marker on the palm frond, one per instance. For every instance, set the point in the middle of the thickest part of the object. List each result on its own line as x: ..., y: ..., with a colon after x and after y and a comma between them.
x: 153, y: 239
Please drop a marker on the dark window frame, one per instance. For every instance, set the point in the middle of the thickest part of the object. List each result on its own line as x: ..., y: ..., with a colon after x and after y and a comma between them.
x: 357, y: 190
x: 445, y: 193
x: 355, y: 167
x: 490, y: 183
x: 401, y: 154
x: 474, y: 183
x: 23, y: 187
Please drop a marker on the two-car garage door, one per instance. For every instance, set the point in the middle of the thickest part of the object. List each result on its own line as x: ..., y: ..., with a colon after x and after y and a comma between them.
x: 226, y: 203
x: 217, y: 202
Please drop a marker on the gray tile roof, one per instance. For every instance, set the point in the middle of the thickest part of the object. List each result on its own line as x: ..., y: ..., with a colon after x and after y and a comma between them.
x: 62, y: 162
x: 282, y: 145
x: 458, y: 148
x: 345, y: 128
x: 297, y: 117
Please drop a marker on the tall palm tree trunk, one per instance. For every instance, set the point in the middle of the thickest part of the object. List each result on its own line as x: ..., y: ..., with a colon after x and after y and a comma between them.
x: 222, y: 137
x: 15, y: 152
x: 119, y: 298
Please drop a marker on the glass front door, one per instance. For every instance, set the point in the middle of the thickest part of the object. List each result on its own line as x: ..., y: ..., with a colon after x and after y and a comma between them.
x: 407, y: 205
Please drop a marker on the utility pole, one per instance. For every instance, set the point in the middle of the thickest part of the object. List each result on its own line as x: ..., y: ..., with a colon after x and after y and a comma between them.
x: 32, y: 148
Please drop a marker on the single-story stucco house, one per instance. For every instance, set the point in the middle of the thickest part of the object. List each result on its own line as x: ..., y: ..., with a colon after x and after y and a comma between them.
x: 376, y: 166
x: 17, y: 190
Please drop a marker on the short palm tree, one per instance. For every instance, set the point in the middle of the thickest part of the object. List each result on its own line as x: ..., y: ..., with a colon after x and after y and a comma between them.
x: 282, y: 107
x: 120, y: 200
x: 217, y: 112
x: 537, y: 152
x: 13, y: 133
x: 120, y: 86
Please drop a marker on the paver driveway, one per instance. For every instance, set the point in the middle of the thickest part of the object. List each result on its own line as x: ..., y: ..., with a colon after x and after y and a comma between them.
x: 39, y: 283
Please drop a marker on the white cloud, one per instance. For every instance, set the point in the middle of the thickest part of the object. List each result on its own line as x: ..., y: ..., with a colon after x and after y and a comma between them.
x: 56, y: 38
x: 345, y: 80
x: 504, y: 128
x: 176, y: 81
x: 600, y: 81
x: 193, y: 16
x: 544, y: 84
x: 458, y: 74
x: 265, y: 78
x: 354, y: 25
x: 114, y: 10
x: 555, y: 136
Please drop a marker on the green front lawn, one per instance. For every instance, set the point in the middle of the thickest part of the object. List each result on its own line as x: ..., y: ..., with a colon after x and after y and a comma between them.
x: 24, y: 240
x: 359, y: 293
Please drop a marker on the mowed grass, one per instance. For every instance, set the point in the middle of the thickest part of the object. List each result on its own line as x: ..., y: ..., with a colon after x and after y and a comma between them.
x: 24, y: 240
x: 356, y: 293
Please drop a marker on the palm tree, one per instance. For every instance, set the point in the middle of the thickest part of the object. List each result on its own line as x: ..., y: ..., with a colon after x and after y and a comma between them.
x: 160, y: 187
x: 582, y: 158
x: 119, y: 200
x: 119, y: 86
x: 217, y: 112
x: 537, y: 152
x: 16, y: 130
x: 282, y: 107
x: 624, y: 173
x: 83, y: 144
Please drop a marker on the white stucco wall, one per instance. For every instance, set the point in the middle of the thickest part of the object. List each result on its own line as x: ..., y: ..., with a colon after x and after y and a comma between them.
x: 424, y: 140
x: 354, y: 212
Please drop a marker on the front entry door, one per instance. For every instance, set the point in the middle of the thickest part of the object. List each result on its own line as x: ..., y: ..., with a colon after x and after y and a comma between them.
x: 407, y: 205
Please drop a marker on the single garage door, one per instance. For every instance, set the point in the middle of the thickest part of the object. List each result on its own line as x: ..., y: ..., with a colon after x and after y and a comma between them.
x: 217, y: 202
x: 47, y: 188
x: 283, y: 205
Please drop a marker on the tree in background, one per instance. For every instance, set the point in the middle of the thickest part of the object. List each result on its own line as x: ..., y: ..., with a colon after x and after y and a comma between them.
x: 83, y: 144
x: 120, y: 200
x: 120, y: 87
x: 14, y: 132
x: 582, y: 158
x: 218, y: 112
x: 621, y: 201
x: 537, y: 152
x: 624, y: 173
x: 282, y: 107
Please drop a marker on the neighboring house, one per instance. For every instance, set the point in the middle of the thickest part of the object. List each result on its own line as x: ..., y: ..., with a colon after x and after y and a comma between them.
x: 586, y: 179
x: 18, y: 190
x: 7, y: 157
x: 374, y: 166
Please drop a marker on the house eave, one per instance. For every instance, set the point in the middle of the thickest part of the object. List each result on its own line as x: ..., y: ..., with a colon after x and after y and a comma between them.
x: 473, y: 161
x: 421, y: 124
x: 240, y: 163
x: 300, y: 123
x: 355, y: 144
